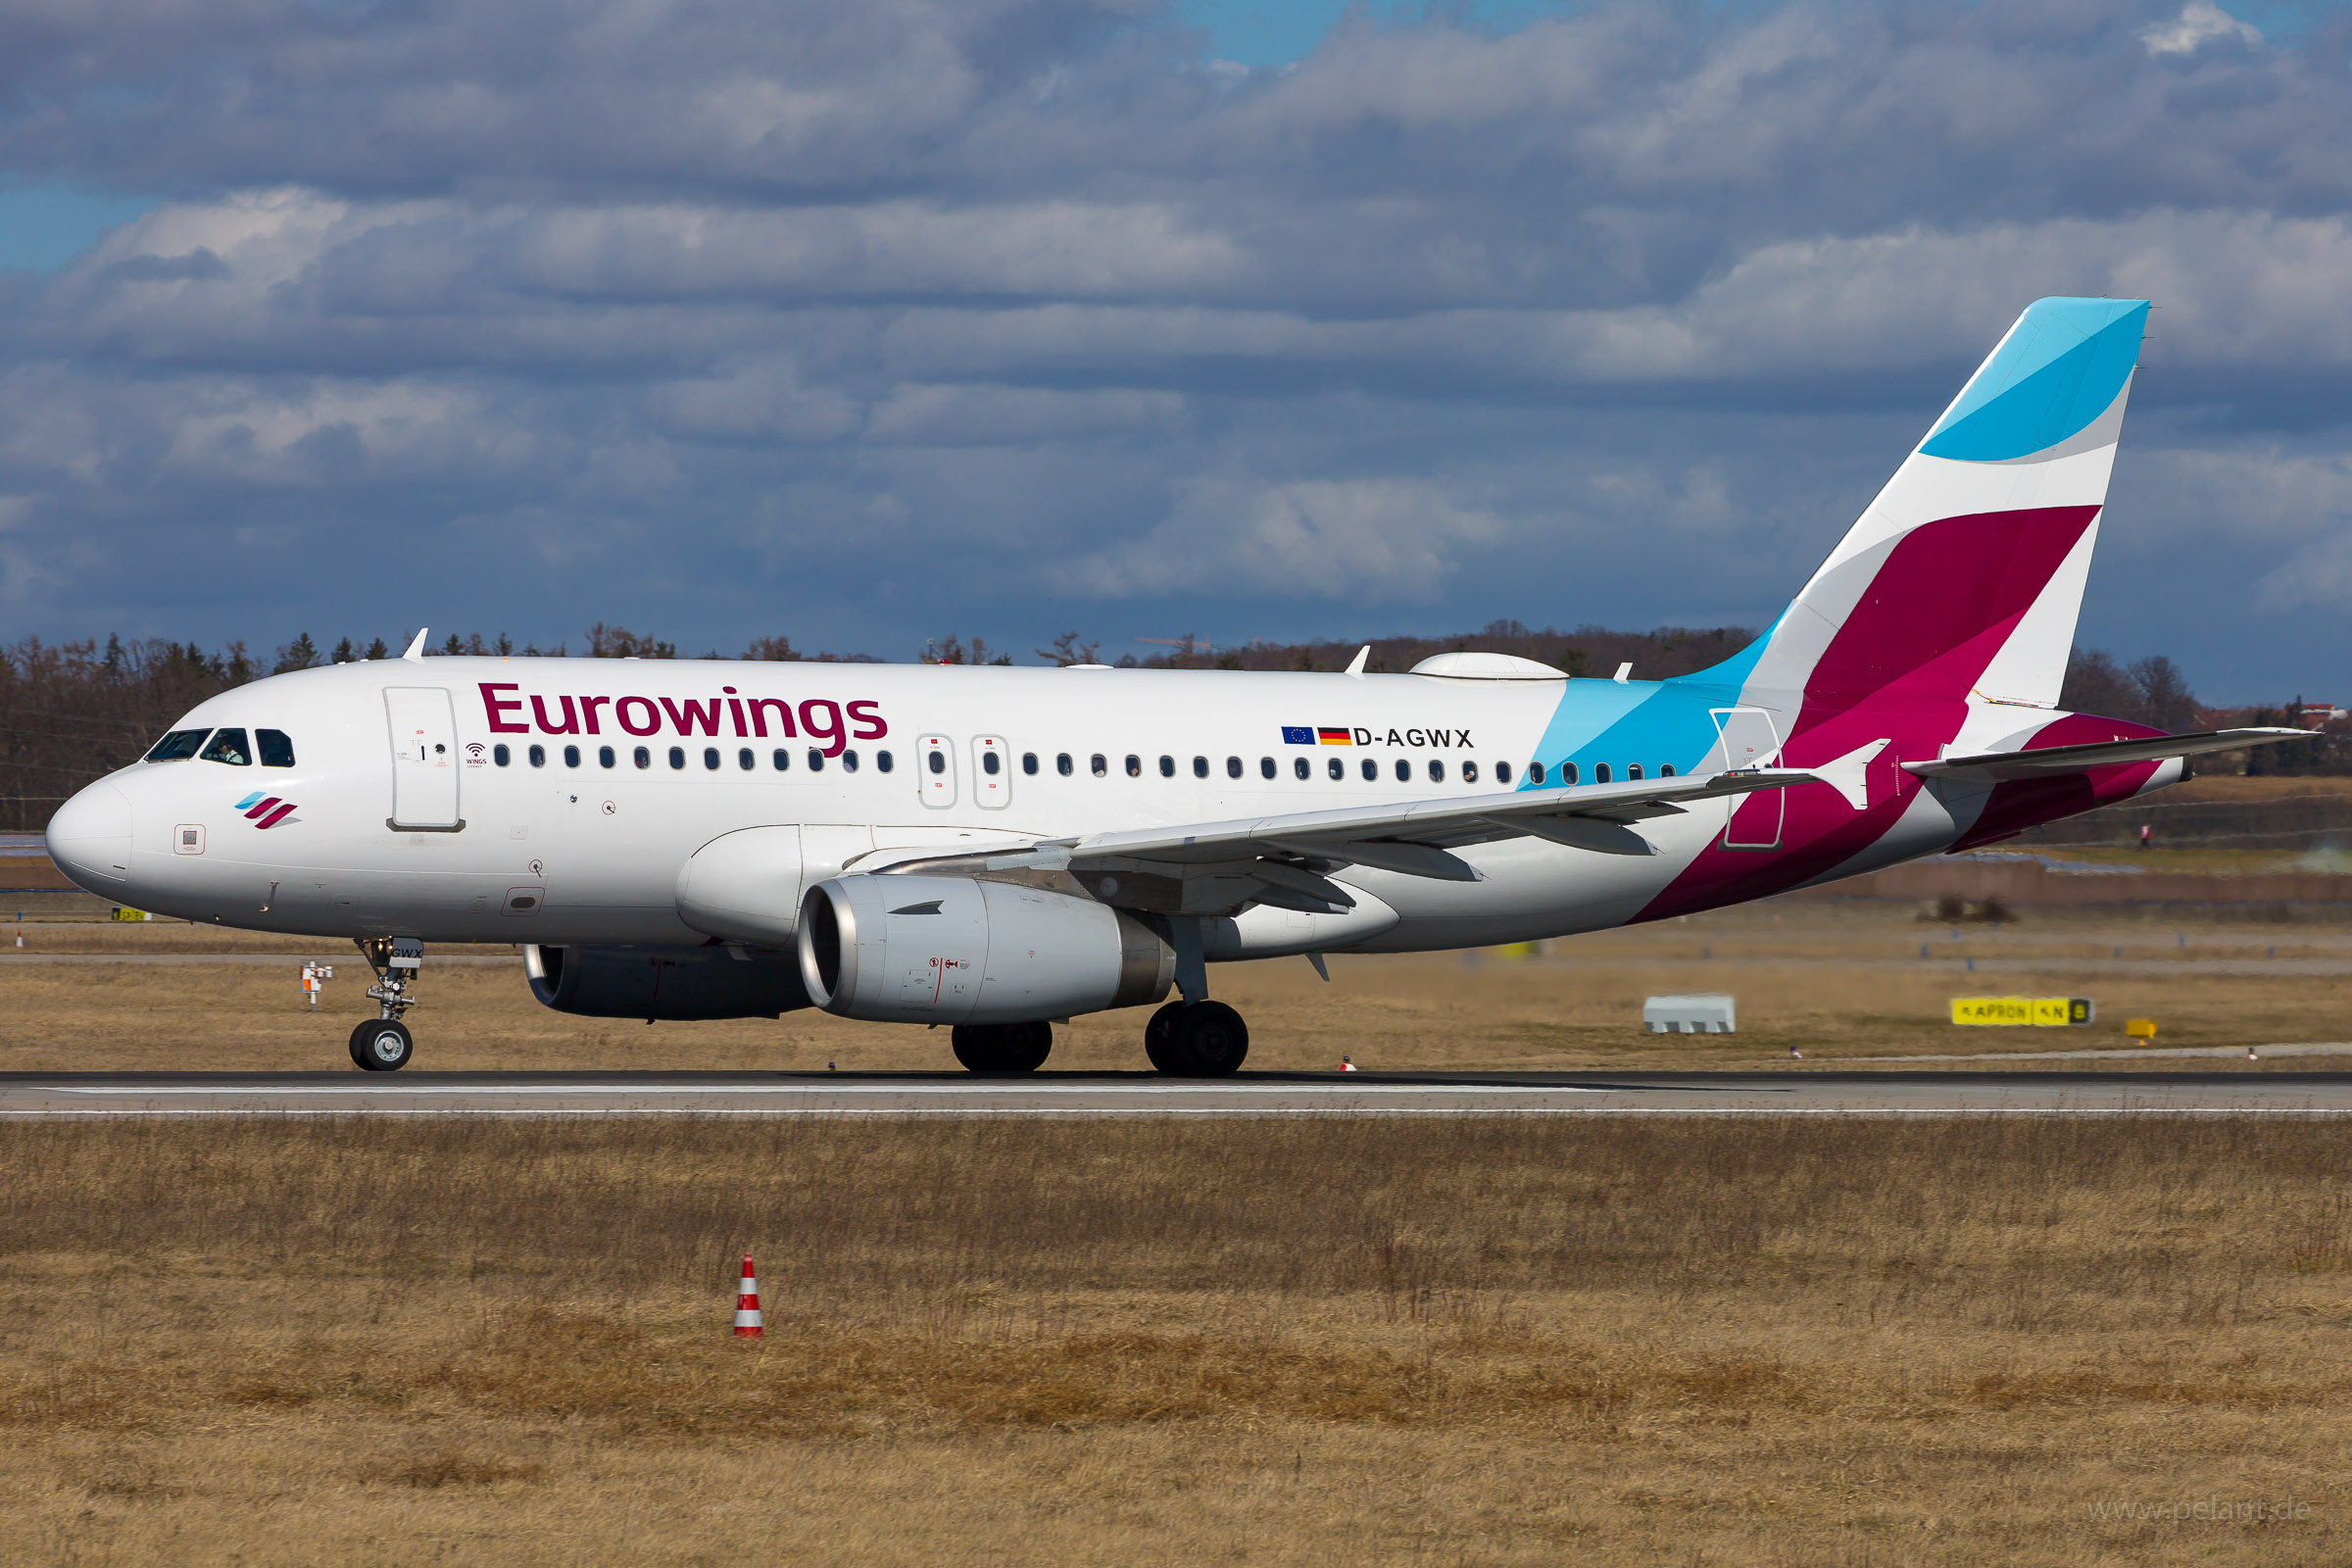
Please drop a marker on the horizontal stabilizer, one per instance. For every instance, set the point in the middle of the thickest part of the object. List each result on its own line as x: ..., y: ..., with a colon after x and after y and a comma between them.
x: 2055, y: 759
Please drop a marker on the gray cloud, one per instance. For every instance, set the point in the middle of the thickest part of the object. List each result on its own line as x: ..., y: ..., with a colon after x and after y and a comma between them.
x: 866, y: 323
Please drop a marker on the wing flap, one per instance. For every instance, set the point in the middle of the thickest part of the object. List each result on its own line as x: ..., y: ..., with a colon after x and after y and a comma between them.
x: 1331, y: 835
x: 1211, y: 868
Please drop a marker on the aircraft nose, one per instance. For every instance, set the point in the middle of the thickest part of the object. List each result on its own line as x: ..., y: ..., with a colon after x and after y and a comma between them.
x: 89, y: 837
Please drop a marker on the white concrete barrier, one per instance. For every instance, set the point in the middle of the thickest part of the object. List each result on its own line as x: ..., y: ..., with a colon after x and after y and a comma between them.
x: 1687, y: 1015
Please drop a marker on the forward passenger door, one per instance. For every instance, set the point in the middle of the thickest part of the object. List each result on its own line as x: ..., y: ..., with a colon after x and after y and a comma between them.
x: 424, y: 760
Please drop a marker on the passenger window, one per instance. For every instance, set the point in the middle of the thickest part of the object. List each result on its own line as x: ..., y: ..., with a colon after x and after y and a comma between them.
x: 1503, y: 772
x: 1135, y: 765
x: 603, y: 756
x: 1063, y: 766
x: 745, y: 760
x: 1535, y: 774
x: 1665, y: 770
x: 1371, y: 771
x: 989, y: 764
x: 1266, y: 766
x: 278, y: 747
x: 498, y: 753
x: 643, y: 756
x: 1199, y: 767
x: 1601, y: 773
x: 1167, y: 766
x: 1568, y: 774
x: 782, y: 760
x: 816, y: 760
x: 1404, y: 771
x: 1437, y: 771
x: 938, y: 761
x: 1634, y: 770
x: 883, y: 763
x: 178, y: 746
x: 538, y: 756
x: 1469, y: 773
x: 1100, y: 765
x: 1339, y: 769
x: 228, y: 746
x: 1299, y: 766
x: 572, y: 756
x: 1233, y: 767
x: 711, y: 758
x: 849, y: 762
x: 1029, y: 763
x: 677, y: 755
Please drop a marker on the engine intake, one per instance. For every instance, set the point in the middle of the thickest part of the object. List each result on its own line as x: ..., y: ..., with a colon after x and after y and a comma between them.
x: 680, y: 984
x: 953, y: 950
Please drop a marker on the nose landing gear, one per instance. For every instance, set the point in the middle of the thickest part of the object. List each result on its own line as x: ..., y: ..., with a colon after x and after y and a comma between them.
x: 383, y: 1043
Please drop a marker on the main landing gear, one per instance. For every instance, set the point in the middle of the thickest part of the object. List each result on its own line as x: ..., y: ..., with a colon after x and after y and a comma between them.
x: 1001, y: 1047
x: 383, y: 1043
x: 1196, y: 1039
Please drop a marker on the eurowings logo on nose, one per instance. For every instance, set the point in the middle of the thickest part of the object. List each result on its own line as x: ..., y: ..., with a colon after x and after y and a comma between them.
x: 265, y: 811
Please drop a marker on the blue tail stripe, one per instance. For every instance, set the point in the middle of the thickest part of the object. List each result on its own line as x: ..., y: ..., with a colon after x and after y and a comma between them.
x: 2057, y: 371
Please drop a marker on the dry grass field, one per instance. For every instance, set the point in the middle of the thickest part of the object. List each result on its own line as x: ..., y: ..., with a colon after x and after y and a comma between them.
x: 1419, y: 1341
x: 1837, y: 980
x: 1011, y: 1341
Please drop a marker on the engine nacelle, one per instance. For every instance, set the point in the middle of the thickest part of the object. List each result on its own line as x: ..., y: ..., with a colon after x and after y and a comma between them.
x: 681, y: 984
x: 951, y: 950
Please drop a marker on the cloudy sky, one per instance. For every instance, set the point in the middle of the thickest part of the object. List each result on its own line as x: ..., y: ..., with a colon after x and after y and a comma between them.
x: 869, y: 322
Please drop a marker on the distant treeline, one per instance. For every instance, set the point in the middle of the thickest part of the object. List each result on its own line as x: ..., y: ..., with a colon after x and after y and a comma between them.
x: 72, y: 711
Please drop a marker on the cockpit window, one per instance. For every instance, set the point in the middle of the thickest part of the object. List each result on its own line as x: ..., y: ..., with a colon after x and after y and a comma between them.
x: 178, y: 746
x: 228, y: 746
x: 278, y: 747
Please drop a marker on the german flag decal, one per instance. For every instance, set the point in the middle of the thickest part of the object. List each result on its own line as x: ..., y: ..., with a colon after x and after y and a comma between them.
x: 1328, y: 736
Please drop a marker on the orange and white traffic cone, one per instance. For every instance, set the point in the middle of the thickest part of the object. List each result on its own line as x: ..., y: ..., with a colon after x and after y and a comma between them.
x: 748, y: 1322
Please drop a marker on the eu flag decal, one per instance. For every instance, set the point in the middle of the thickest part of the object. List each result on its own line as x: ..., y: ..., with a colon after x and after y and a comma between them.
x: 1298, y: 735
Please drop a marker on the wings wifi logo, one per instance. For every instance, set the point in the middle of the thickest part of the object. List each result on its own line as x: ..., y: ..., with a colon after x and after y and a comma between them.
x: 265, y: 811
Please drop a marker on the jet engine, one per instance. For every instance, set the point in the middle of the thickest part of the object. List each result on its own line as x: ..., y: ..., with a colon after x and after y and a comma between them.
x: 954, y: 950
x: 681, y: 984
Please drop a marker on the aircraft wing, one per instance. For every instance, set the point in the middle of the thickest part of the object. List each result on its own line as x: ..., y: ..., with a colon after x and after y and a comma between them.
x: 1286, y: 860
x: 2002, y: 766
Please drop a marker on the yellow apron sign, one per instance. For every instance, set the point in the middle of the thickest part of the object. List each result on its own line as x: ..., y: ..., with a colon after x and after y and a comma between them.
x: 2040, y: 1012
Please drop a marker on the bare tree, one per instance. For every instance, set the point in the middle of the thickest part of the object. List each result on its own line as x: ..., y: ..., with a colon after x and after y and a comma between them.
x: 1067, y: 650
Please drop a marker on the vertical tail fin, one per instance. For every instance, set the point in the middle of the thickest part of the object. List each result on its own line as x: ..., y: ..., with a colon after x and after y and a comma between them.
x: 1966, y: 573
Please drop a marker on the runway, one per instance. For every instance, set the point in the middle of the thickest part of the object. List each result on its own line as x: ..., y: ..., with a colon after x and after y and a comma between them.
x: 28, y: 1096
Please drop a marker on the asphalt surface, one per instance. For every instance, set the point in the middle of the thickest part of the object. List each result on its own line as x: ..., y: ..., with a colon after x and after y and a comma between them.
x: 1049, y: 1094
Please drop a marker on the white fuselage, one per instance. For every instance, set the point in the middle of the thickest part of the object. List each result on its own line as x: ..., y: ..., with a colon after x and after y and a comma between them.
x: 559, y: 852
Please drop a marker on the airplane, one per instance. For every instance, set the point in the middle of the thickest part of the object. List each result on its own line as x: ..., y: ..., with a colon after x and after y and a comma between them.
x: 999, y: 850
